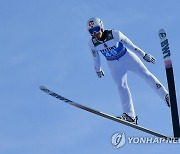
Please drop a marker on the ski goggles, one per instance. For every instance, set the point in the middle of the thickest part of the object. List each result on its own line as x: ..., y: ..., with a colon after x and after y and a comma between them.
x: 94, y: 30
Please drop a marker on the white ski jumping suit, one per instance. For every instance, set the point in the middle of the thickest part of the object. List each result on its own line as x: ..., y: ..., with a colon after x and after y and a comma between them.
x: 117, y: 49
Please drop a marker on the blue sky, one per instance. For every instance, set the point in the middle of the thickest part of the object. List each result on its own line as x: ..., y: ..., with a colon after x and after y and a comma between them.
x: 44, y: 42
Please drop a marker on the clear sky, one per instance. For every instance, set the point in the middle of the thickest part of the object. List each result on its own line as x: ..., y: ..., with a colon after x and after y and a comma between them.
x: 45, y: 42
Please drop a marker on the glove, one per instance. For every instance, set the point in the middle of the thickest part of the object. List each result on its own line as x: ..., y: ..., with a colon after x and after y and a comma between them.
x: 149, y: 58
x: 100, y: 74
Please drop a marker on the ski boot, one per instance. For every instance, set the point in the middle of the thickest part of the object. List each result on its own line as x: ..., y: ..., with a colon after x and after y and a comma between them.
x: 128, y: 118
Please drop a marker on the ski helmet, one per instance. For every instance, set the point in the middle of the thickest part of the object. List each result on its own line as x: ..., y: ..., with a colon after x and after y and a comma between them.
x: 95, y: 24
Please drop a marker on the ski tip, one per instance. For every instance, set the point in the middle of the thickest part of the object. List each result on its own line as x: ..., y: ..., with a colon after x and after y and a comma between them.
x: 42, y: 87
x: 162, y: 31
x: 162, y: 34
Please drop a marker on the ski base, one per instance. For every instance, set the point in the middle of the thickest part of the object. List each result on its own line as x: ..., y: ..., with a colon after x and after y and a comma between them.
x: 107, y: 116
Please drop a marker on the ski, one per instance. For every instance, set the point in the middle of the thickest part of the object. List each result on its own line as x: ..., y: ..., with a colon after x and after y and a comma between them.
x: 107, y: 116
x: 170, y: 80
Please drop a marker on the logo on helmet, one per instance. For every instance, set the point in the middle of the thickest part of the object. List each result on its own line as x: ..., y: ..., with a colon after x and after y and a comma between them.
x: 91, y: 23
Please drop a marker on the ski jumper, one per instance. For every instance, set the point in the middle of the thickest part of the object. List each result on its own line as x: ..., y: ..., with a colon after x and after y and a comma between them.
x: 117, y: 49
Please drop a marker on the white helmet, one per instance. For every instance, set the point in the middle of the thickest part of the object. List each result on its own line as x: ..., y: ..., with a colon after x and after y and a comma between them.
x: 93, y: 23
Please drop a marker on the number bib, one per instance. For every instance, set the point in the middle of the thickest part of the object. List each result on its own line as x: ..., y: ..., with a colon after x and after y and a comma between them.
x: 110, y: 48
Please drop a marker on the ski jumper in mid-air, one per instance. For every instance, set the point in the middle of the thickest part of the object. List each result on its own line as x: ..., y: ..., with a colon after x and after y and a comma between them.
x: 117, y: 49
